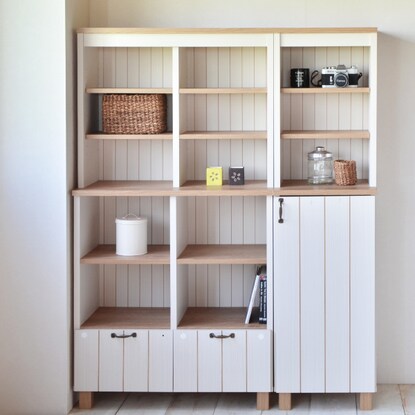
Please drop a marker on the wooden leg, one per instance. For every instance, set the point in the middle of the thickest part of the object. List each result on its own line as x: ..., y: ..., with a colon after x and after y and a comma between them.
x: 284, y: 401
x: 86, y: 400
x: 366, y: 401
x: 262, y: 401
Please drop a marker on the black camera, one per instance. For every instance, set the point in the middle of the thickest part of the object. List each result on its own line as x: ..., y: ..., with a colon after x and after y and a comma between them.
x: 340, y: 77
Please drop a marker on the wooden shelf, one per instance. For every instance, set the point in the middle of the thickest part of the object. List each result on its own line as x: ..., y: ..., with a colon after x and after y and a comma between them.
x: 224, y: 135
x: 129, y: 318
x: 324, y: 134
x: 206, y: 91
x: 126, y: 188
x: 302, y: 188
x: 217, y: 318
x: 223, y: 254
x: 103, y: 136
x: 250, y: 188
x: 359, y: 90
x: 105, y: 255
x: 129, y: 90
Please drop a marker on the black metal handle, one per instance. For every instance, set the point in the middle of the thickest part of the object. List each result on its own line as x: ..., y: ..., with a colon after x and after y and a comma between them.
x: 221, y: 336
x: 123, y: 336
x: 280, y: 220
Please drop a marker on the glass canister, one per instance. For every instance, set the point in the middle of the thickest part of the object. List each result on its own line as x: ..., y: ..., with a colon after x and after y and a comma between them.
x: 320, y: 166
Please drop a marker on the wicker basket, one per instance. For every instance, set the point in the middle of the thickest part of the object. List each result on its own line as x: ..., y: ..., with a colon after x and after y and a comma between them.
x: 134, y: 113
x: 345, y: 172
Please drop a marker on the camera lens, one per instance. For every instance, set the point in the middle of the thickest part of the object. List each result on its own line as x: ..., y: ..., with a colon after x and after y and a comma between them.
x: 341, y: 80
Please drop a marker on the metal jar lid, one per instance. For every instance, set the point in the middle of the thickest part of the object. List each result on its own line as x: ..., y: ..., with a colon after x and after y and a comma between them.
x: 320, y: 153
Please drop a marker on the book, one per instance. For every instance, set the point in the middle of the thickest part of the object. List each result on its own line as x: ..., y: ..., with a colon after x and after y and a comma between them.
x: 261, y: 270
x: 263, y: 298
x: 252, y: 299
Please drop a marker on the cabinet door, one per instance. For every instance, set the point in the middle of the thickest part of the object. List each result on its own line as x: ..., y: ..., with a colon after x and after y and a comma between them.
x: 209, y: 361
x: 324, y: 295
x: 185, y: 361
x: 86, y: 361
x: 111, y: 361
x: 160, y: 361
x: 136, y: 361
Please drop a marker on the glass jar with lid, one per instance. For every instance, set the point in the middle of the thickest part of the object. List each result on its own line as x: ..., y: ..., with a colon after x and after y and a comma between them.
x: 320, y: 166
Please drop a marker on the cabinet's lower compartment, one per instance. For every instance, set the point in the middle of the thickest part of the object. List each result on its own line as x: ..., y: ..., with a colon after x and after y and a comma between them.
x: 173, y: 361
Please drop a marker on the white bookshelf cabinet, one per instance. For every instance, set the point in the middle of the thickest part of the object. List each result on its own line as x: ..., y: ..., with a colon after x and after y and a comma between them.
x: 173, y: 319
x: 204, y: 244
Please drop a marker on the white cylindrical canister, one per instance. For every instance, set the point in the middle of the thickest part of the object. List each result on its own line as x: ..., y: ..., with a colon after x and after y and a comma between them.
x: 131, y: 235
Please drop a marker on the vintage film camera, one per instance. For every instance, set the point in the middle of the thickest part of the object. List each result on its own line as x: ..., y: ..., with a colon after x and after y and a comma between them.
x: 339, y: 76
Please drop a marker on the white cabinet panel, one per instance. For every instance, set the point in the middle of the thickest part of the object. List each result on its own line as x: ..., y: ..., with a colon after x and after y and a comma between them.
x: 185, y: 361
x: 110, y: 361
x: 160, y: 361
x: 209, y: 361
x: 222, y: 361
x: 258, y: 361
x: 337, y: 294
x: 136, y: 361
x: 287, y: 296
x: 312, y: 293
x: 234, y: 361
x: 86, y: 360
x: 362, y: 294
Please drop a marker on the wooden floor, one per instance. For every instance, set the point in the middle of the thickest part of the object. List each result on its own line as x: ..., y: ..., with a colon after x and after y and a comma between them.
x: 389, y: 400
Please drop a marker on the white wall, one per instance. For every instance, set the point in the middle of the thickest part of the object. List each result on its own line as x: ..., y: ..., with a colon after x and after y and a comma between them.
x: 36, y: 172
x: 396, y: 149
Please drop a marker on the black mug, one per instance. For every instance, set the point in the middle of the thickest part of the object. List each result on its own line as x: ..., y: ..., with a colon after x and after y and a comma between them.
x: 300, y: 78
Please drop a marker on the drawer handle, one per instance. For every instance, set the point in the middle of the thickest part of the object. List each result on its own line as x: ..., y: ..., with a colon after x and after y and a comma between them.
x: 221, y: 336
x: 280, y: 220
x: 123, y: 336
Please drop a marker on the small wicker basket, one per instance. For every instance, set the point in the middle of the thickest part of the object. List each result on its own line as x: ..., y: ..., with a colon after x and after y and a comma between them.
x: 134, y: 113
x: 345, y: 172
